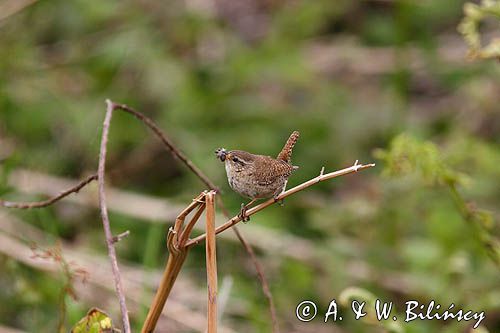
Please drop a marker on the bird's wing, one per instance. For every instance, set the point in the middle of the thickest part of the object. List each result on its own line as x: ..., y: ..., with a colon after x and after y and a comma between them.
x: 272, y: 169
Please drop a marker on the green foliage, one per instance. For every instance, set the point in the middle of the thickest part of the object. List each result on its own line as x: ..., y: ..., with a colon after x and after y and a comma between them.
x: 407, y: 155
x: 469, y: 28
x: 96, y: 321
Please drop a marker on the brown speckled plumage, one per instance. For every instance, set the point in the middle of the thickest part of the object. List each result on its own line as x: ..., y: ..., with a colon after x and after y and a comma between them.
x: 286, y: 152
x: 258, y: 176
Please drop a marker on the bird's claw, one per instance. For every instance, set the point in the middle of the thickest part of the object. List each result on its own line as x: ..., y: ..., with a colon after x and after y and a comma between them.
x: 243, y: 213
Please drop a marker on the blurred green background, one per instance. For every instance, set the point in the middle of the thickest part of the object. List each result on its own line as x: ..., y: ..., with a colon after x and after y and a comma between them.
x: 379, y: 81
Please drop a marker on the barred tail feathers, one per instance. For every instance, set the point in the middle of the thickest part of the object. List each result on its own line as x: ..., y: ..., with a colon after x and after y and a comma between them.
x: 286, y: 152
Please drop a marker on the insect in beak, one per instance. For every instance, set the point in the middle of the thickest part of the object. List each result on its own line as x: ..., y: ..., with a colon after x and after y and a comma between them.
x: 221, y: 154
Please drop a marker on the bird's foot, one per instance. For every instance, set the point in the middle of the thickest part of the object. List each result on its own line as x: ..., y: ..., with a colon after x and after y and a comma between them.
x: 243, y: 214
x: 280, y: 202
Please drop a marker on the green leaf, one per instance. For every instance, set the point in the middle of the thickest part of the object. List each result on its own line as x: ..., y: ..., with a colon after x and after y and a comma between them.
x: 96, y: 321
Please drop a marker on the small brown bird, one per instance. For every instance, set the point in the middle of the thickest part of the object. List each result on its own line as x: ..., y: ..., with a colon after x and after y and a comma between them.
x: 258, y: 176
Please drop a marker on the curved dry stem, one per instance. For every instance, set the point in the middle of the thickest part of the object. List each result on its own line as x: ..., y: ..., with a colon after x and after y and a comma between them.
x: 105, y: 218
x: 174, y: 264
x: 167, y: 143
x: 183, y: 238
x: 48, y: 202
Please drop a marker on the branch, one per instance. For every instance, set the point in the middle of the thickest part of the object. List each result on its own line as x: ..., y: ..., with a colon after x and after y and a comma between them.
x: 48, y: 202
x: 121, y: 236
x: 322, y: 177
x: 105, y: 219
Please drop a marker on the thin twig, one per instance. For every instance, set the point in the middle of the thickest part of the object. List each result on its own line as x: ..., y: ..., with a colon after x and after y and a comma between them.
x: 183, y: 238
x: 140, y: 206
x: 105, y: 218
x: 48, y: 202
x: 230, y: 223
x: 262, y: 279
x: 179, y: 221
x: 471, y: 216
x: 210, y: 249
x: 121, y: 236
x: 168, y: 143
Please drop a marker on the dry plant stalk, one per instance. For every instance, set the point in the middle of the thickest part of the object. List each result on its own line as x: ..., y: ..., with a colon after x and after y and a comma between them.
x: 174, y: 263
x: 176, y: 239
x: 211, y: 263
x: 110, y: 240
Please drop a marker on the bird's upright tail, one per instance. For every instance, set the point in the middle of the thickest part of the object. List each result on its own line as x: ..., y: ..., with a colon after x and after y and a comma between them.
x: 286, y: 152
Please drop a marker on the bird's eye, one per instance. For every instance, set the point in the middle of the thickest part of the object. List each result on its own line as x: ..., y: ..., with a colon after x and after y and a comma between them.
x: 235, y: 159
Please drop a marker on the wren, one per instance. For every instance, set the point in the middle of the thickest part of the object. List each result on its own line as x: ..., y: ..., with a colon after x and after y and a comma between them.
x: 258, y: 176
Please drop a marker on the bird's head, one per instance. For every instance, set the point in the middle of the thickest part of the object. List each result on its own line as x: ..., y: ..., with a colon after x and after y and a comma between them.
x: 236, y: 159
